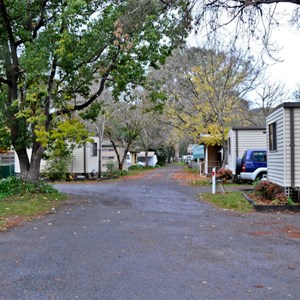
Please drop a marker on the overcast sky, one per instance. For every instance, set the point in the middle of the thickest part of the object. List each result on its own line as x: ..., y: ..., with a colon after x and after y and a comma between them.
x: 287, y: 71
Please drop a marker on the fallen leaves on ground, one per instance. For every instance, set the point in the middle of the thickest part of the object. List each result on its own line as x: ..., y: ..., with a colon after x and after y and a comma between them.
x: 186, y: 177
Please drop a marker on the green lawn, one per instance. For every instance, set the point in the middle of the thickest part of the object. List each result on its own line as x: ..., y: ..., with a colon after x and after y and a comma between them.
x: 230, y: 200
x: 27, y: 206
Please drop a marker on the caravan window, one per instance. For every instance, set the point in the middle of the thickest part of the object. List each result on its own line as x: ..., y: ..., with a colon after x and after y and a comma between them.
x: 94, y: 149
x: 272, y: 137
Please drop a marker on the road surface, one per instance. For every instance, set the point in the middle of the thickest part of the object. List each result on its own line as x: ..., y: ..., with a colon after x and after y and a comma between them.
x: 150, y: 238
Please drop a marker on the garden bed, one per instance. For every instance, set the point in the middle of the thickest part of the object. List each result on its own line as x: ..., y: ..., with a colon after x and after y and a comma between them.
x: 261, y: 204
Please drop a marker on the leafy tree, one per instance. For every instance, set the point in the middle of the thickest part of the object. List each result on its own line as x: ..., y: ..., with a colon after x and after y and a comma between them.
x: 162, y: 155
x: 62, y: 140
x: 221, y: 82
x: 52, y: 51
x: 175, y: 80
x: 206, y: 95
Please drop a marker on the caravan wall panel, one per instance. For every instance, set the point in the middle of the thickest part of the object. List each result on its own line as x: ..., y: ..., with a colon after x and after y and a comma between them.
x: 297, y: 145
x: 276, y: 159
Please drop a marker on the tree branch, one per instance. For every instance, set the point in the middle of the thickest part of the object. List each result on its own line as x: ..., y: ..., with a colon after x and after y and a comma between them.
x: 259, y: 2
x: 4, y: 13
x: 95, y: 95
x: 41, y: 21
x: 6, y: 81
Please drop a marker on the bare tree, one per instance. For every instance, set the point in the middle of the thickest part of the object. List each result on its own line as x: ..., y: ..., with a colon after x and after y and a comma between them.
x: 251, y: 19
x: 95, y: 118
x: 269, y: 96
x: 123, y: 128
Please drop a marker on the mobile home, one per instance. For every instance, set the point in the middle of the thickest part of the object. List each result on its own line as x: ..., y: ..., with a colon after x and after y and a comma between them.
x: 85, y: 159
x: 283, y: 146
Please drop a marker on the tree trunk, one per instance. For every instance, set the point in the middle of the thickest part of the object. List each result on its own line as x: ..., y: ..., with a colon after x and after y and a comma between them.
x: 24, y: 163
x: 224, y: 153
x: 117, y: 154
x: 176, y: 158
x: 125, y: 154
x: 101, y: 127
x: 146, y: 158
x: 124, y: 158
x: 30, y: 170
x: 100, y: 158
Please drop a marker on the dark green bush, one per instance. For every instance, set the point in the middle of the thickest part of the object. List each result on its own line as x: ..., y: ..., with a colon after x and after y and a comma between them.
x: 122, y: 172
x: 148, y: 168
x: 135, y: 167
x: 16, y: 186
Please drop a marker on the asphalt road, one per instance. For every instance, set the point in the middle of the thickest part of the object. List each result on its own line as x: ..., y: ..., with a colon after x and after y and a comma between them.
x: 150, y: 238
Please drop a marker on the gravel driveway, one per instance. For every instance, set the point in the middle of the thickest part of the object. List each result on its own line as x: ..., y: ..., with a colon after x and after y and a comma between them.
x: 150, y: 238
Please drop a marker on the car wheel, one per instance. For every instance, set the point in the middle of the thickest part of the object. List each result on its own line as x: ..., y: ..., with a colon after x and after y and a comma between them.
x: 238, y: 166
x: 260, y: 176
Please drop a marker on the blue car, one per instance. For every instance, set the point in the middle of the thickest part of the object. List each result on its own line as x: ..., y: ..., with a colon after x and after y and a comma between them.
x: 253, y: 165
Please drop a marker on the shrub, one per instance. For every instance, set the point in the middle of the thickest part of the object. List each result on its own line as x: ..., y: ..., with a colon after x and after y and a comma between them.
x: 122, y: 172
x: 224, y: 174
x: 44, y: 188
x: 271, y: 191
x: 57, y: 167
x: 16, y: 186
x: 135, y: 167
x: 112, y: 170
x: 148, y: 168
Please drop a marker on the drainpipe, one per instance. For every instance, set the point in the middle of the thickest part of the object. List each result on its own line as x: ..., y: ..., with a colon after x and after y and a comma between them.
x: 236, y: 144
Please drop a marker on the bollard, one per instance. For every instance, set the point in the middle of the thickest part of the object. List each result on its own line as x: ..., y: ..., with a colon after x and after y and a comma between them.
x: 213, y: 180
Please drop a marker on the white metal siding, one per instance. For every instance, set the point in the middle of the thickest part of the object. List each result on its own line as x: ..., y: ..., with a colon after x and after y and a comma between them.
x: 286, y: 149
x: 276, y: 159
x: 77, y: 162
x: 232, y: 154
x: 92, y: 161
x: 297, y: 145
x: 108, y: 155
x: 246, y: 139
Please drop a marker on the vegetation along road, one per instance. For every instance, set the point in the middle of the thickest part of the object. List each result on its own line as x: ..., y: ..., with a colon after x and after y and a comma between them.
x: 150, y: 237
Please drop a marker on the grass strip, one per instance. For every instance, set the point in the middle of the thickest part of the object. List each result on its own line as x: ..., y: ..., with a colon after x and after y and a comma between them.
x: 230, y: 200
x: 27, y: 206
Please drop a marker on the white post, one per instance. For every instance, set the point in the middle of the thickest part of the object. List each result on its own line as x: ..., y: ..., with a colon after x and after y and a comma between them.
x: 214, y: 180
x: 206, y: 161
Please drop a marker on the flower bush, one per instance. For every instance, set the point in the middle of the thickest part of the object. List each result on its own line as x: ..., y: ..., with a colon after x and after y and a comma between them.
x: 271, y: 191
x: 224, y: 174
